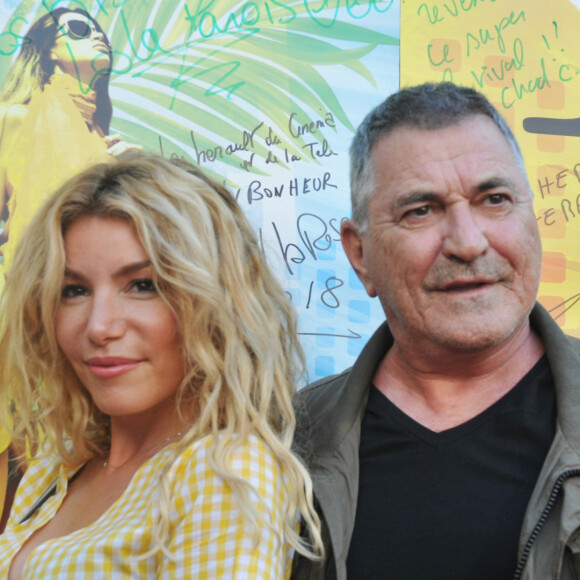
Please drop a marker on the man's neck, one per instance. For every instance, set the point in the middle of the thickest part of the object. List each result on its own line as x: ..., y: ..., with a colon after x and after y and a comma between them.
x: 447, y: 390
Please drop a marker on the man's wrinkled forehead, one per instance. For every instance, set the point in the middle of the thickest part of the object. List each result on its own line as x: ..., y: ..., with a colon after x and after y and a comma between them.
x: 410, y: 131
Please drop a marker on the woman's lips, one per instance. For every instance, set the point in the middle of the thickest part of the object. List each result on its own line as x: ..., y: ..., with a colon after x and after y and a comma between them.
x: 102, y: 47
x: 107, y: 367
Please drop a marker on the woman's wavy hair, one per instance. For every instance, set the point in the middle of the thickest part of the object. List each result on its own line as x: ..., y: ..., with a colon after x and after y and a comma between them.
x: 238, y: 327
x: 33, y: 67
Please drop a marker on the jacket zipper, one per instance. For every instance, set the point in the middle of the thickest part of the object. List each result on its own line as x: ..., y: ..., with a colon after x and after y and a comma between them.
x: 543, y: 517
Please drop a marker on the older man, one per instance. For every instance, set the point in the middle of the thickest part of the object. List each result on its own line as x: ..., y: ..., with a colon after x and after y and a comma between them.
x: 451, y: 449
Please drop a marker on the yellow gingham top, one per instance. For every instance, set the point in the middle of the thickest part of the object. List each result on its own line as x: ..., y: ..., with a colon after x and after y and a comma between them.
x: 208, y: 536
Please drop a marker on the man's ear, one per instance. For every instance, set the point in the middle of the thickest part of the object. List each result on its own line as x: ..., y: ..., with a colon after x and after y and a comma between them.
x: 352, y: 243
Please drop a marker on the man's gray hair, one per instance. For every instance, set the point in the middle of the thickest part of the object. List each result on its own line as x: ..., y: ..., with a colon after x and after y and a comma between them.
x: 428, y: 106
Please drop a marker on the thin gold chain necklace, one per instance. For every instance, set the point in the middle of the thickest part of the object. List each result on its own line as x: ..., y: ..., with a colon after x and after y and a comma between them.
x: 153, y: 447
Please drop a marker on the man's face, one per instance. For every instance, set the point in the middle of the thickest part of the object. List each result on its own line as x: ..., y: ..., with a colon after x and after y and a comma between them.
x: 452, y: 248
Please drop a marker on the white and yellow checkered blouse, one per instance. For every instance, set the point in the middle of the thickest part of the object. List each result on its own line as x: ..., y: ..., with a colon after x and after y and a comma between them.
x: 208, y: 537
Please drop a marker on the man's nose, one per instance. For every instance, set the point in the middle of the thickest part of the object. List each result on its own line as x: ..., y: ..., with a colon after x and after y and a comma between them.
x: 465, y: 239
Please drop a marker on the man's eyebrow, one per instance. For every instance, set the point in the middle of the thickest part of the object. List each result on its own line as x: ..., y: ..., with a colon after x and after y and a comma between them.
x: 493, y: 183
x: 123, y: 271
x: 414, y: 197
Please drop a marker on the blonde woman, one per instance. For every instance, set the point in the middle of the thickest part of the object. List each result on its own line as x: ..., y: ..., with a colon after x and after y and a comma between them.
x: 150, y: 356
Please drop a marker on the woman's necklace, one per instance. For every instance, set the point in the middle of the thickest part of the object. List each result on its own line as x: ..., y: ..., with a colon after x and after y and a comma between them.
x: 152, y: 448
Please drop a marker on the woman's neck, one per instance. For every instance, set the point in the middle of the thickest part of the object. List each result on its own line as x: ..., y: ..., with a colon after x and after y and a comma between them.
x: 84, y: 98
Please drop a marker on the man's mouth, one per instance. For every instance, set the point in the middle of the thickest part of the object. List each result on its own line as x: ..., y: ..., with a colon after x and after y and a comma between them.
x: 466, y: 285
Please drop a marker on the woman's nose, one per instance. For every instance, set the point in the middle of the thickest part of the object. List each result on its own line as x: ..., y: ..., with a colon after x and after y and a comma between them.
x: 106, y: 320
x: 96, y: 33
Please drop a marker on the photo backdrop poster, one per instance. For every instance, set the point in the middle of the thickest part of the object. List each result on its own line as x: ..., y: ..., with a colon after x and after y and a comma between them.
x: 264, y: 95
x: 525, y: 57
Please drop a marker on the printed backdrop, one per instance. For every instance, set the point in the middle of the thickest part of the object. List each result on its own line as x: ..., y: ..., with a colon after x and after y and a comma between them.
x: 265, y: 96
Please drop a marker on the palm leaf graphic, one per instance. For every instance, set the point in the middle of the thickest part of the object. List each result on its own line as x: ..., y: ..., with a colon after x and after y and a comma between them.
x: 210, y: 70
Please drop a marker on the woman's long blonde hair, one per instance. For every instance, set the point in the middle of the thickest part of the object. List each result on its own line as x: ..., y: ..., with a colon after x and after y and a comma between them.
x: 237, y: 324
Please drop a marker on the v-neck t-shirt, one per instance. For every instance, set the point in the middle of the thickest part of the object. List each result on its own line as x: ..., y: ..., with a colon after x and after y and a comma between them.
x: 449, y: 505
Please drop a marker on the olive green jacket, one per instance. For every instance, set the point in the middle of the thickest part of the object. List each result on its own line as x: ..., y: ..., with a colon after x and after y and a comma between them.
x: 328, y: 435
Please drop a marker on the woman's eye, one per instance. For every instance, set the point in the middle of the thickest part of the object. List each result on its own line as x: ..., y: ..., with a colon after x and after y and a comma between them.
x: 144, y: 285
x: 73, y: 291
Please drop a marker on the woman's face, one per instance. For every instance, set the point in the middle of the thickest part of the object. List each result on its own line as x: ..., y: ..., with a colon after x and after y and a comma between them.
x: 120, y: 337
x: 80, y: 48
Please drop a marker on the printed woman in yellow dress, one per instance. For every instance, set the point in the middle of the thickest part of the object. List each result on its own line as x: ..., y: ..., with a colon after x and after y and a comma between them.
x: 55, y: 113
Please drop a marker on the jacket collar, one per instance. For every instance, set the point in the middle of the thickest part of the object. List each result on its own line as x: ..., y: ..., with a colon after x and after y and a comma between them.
x: 343, y: 409
x: 563, y: 354
x: 333, y: 409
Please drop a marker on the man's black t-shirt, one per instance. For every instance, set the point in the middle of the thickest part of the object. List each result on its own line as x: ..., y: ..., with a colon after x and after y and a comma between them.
x: 449, y: 505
